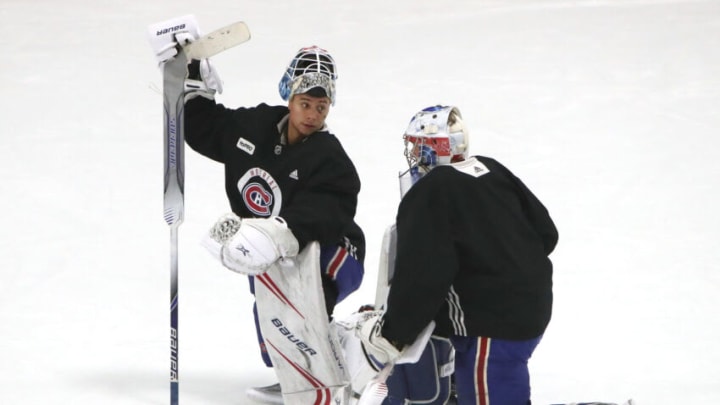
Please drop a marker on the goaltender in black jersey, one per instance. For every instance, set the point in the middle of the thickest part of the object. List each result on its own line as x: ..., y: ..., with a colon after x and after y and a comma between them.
x: 491, y: 237
x: 472, y: 255
x: 286, y: 175
x: 312, y: 184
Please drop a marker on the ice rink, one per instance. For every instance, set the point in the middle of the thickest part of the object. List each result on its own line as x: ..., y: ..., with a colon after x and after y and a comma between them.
x: 609, y: 110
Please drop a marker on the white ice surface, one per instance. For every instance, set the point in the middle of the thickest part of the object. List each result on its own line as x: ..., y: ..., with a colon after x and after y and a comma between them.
x: 607, y: 109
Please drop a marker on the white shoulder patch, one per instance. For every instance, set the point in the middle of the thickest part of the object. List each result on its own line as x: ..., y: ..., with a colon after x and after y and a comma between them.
x: 245, y: 145
x: 472, y: 167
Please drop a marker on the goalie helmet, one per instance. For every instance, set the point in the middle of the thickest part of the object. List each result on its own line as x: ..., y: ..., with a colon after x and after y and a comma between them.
x: 311, y: 71
x: 436, y: 136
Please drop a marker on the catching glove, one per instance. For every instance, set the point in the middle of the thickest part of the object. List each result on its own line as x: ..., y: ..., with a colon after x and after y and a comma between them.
x: 250, y: 246
x: 368, y: 330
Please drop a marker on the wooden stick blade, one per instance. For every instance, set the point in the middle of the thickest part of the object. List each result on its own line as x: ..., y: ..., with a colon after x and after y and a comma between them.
x: 218, y: 41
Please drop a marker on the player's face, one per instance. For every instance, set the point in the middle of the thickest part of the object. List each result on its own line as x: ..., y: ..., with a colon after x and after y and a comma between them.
x: 307, y: 115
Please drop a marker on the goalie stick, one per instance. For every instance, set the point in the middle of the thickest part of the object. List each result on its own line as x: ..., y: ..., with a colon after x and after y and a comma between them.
x: 218, y: 41
x: 174, y: 72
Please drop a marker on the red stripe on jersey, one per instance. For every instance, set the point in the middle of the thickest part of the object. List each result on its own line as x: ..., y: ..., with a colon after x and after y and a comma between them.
x: 481, y: 364
x: 337, y: 262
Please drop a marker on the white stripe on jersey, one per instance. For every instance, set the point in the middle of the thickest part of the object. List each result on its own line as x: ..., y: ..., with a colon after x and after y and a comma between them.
x: 455, y: 312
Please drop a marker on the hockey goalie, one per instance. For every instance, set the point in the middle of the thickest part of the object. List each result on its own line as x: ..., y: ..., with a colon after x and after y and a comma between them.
x: 318, y: 361
x: 293, y: 193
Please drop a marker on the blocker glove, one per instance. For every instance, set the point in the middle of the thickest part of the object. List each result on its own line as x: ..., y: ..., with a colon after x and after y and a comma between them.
x: 368, y: 331
x: 203, y: 79
x: 167, y: 49
x: 250, y: 246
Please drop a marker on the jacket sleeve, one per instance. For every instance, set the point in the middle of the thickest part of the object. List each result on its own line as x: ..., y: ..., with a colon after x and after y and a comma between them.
x: 537, y: 214
x: 539, y: 218
x: 205, y: 123
x: 426, y: 263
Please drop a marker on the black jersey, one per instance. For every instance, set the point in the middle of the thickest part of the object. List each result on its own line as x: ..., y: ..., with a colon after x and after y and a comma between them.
x: 313, y: 184
x: 472, y: 254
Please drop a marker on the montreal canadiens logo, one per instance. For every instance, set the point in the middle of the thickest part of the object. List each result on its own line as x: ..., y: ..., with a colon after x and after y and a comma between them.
x: 257, y: 199
x: 260, y: 192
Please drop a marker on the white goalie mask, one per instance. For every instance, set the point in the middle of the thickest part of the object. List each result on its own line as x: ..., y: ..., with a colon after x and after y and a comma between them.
x: 436, y: 136
x: 312, y: 71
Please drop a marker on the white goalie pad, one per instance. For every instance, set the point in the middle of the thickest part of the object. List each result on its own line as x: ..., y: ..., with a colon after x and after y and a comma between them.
x: 304, y: 349
x: 386, y: 266
x: 360, y: 369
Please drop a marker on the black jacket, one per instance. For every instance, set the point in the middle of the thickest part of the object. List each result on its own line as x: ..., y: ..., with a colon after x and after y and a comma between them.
x: 313, y: 185
x: 472, y: 254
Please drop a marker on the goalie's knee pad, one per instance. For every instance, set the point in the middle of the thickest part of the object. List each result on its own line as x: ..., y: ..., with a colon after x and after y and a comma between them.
x: 424, y: 382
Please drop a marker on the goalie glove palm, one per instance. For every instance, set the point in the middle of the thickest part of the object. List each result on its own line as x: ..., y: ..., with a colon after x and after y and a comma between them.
x: 368, y: 330
x: 250, y: 246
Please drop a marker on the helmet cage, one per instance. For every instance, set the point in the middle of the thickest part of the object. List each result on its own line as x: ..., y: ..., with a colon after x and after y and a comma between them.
x: 312, y: 67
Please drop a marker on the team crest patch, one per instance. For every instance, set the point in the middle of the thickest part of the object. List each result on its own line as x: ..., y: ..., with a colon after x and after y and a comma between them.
x: 260, y: 192
x: 245, y: 145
